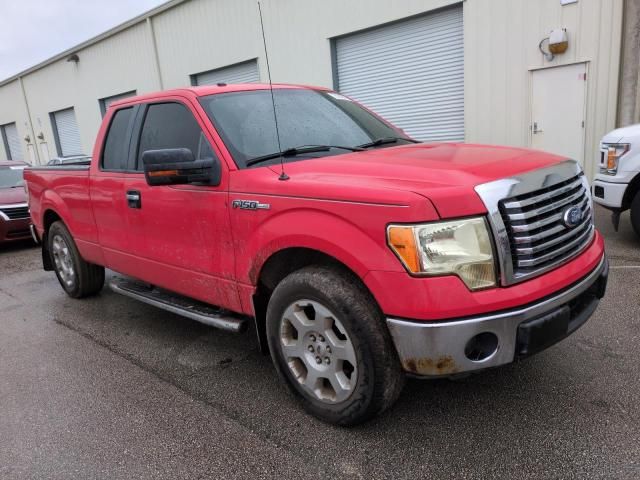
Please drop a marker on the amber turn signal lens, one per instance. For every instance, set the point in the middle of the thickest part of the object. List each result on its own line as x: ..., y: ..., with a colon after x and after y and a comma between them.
x: 163, y: 173
x: 612, y: 158
x: 403, y: 242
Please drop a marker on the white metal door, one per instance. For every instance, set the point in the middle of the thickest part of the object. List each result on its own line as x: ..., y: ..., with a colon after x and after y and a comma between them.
x: 410, y: 72
x: 13, y: 141
x: 246, y: 72
x: 558, y: 110
x: 68, y: 133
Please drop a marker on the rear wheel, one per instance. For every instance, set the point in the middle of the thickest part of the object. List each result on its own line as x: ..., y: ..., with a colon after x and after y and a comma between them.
x: 635, y: 213
x: 76, y: 276
x: 329, y: 343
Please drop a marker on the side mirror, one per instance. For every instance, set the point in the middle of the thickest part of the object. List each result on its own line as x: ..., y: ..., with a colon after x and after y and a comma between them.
x: 176, y: 166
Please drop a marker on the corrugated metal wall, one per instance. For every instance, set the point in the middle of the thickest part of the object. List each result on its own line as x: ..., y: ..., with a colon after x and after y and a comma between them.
x: 118, y: 64
x: 500, y: 49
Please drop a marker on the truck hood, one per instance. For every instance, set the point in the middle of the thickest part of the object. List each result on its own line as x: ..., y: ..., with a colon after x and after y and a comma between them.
x: 9, y: 196
x: 445, y: 173
x: 627, y: 134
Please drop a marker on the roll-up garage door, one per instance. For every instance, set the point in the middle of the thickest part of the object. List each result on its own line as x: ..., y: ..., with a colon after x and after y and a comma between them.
x: 246, y: 72
x: 106, y: 101
x: 410, y: 72
x: 12, y: 141
x: 68, y: 133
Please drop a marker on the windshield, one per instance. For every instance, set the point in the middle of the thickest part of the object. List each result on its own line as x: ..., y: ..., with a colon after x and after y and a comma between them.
x: 245, y: 122
x: 11, y: 177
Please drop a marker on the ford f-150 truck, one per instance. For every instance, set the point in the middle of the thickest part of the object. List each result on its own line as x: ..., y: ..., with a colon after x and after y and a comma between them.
x: 617, y: 184
x: 359, y: 255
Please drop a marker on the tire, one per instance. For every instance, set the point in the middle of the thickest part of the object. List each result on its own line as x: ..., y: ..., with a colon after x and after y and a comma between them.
x: 635, y: 213
x: 77, y: 277
x: 359, y: 376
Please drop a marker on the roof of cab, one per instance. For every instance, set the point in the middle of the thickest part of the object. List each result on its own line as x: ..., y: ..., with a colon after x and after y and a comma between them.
x: 204, y: 90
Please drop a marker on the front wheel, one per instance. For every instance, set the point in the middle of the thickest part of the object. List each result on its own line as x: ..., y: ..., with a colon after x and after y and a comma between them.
x: 329, y: 343
x: 77, y: 277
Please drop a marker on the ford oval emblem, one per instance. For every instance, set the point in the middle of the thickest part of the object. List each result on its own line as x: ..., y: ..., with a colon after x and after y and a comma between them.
x: 572, y: 217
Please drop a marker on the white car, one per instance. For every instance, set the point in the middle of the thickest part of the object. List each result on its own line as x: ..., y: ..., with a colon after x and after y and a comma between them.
x: 617, y: 185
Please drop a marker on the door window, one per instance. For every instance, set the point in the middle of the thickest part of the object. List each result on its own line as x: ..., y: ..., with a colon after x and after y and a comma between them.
x: 116, y: 145
x: 172, y: 125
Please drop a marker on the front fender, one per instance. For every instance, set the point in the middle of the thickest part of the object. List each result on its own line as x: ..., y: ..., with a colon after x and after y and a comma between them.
x: 360, y: 247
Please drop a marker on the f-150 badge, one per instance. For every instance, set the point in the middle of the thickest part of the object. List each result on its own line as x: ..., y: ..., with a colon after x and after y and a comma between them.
x: 250, y: 205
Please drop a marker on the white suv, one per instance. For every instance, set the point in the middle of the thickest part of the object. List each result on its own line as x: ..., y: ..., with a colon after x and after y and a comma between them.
x: 617, y: 185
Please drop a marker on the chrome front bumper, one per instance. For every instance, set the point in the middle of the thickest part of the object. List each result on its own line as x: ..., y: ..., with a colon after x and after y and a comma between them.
x: 435, y: 349
x: 34, y: 234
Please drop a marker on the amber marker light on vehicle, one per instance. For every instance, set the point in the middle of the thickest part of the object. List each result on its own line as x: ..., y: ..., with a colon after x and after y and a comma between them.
x: 162, y: 173
x: 403, y: 242
x: 614, y: 152
x: 452, y: 247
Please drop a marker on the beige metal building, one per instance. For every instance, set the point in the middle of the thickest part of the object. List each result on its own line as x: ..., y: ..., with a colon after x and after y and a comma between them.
x: 445, y: 70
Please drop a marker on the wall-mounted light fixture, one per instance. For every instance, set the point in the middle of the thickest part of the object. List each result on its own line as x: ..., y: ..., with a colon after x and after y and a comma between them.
x: 73, y: 58
x: 557, y: 43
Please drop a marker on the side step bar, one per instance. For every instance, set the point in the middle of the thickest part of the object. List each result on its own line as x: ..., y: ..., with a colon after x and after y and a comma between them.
x: 184, y: 306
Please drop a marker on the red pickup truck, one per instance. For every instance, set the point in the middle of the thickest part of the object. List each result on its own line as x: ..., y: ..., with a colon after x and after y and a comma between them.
x: 359, y: 255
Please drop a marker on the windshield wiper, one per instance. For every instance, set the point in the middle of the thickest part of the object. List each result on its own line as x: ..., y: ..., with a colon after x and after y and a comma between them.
x: 292, y: 152
x: 385, y: 140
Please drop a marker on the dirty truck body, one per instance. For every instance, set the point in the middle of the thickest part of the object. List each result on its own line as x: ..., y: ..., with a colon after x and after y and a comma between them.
x: 359, y: 255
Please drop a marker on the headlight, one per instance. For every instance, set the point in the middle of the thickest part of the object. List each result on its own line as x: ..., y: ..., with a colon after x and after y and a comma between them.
x: 455, y: 247
x: 614, y: 152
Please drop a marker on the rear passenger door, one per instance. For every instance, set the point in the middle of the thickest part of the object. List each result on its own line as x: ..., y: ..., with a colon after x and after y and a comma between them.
x: 180, y: 234
x: 107, y: 190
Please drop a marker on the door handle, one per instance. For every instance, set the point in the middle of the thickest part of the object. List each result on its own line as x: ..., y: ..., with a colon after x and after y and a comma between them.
x: 134, y: 200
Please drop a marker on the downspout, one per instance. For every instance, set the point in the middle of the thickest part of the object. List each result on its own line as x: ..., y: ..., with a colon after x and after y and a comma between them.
x: 33, y: 133
x: 156, y: 57
x: 629, y: 83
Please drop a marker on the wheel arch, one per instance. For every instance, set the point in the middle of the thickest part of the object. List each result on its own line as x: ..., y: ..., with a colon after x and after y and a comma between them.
x: 50, y: 216
x: 630, y: 192
x: 282, y: 263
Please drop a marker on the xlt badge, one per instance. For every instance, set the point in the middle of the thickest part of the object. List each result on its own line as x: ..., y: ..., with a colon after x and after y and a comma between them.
x: 250, y: 205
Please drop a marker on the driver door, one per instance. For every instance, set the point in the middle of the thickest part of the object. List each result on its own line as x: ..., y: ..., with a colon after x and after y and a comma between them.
x: 180, y: 235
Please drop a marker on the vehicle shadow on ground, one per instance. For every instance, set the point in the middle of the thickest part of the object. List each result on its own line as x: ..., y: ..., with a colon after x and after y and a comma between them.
x: 623, y: 246
x: 16, y: 246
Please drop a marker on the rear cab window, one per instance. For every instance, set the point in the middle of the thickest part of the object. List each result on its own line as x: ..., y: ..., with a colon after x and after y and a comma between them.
x: 116, y: 146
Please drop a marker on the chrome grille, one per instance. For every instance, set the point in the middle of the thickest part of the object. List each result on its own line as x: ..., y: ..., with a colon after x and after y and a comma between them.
x: 526, y: 213
x: 14, y: 212
x: 535, y: 225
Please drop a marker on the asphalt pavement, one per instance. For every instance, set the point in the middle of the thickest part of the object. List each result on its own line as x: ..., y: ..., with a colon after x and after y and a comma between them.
x: 110, y: 388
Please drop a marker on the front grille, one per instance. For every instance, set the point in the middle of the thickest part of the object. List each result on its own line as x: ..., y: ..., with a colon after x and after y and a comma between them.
x: 15, y: 213
x: 539, y: 239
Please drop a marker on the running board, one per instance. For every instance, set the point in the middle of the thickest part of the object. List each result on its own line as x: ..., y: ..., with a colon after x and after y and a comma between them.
x: 184, y: 306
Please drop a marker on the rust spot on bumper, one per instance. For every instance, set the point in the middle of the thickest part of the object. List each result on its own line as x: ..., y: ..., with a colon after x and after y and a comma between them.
x: 444, y: 365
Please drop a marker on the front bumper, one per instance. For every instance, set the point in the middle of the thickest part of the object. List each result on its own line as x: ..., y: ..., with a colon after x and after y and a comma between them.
x: 12, y: 230
x: 437, y: 349
x: 608, y: 194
